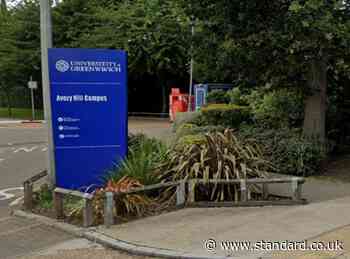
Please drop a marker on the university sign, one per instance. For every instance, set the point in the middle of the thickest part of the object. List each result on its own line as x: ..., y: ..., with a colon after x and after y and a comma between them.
x: 89, y: 114
x: 88, y: 66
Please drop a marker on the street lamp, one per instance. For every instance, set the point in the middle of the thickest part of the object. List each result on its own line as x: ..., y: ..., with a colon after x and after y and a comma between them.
x: 191, y: 64
x: 46, y: 43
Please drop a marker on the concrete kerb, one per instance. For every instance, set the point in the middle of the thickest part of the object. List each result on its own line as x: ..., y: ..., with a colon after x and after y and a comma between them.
x: 12, y: 122
x: 33, y: 121
x: 92, y: 235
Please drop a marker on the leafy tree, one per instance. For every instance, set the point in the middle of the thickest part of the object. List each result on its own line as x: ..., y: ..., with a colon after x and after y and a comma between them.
x: 19, y: 50
x: 321, y: 40
x: 285, y: 43
x: 8, y: 57
x: 155, y: 34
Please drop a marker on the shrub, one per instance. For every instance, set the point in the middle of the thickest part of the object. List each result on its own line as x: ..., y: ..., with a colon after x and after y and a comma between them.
x: 144, y: 154
x: 129, y: 204
x: 187, y: 118
x: 43, y: 197
x: 279, y: 108
x: 220, y: 156
x: 227, y: 115
x: 189, y: 134
x: 126, y: 206
x: 189, y: 140
x: 235, y: 96
x: 289, y: 151
x: 192, y: 129
x: 217, y: 96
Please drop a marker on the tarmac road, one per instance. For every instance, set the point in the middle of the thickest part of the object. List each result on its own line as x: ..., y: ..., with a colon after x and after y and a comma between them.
x: 22, y: 155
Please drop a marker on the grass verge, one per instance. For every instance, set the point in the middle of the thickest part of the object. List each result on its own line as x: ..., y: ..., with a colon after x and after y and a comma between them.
x: 21, y: 113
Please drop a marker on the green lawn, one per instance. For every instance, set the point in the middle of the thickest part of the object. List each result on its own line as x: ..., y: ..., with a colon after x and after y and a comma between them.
x: 21, y: 113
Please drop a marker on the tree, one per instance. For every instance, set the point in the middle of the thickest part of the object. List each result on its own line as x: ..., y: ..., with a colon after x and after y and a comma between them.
x: 8, y: 56
x: 322, y: 37
x: 289, y: 43
x: 3, y: 6
x: 19, y: 50
x: 155, y: 34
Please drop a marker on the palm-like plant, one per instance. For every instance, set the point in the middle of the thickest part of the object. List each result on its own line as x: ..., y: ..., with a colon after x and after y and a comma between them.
x: 221, y: 156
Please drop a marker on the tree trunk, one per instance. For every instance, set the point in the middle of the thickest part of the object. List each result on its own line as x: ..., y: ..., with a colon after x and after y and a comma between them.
x: 9, y: 104
x: 165, y: 98
x: 315, y: 105
x: 3, y: 6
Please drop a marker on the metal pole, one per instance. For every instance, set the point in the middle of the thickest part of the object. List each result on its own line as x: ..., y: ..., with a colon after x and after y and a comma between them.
x: 191, y: 68
x: 32, y: 100
x: 46, y: 43
x: 33, y: 108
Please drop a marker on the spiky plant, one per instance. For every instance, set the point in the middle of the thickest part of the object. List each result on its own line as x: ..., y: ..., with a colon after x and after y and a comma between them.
x: 144, y: 154
x: 129, y: 204
x: 220, y: 156
x: 126, y: 206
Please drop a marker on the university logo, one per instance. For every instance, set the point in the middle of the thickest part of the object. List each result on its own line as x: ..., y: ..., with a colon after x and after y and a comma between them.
x: 62, y: 66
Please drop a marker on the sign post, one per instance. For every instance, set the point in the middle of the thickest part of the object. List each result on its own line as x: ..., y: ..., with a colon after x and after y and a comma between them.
x: 32, y: 85
x: 46, y: 43
x: 89, y: 114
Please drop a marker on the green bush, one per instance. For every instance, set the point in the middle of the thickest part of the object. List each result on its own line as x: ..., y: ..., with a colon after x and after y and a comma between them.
x: 287, y: 149
x: 278, y: 108
x: 189, y: 134
x: 187, y: 118
x: 188, y: 140
x: 192, y: 129
x: 43, y: 198
x: 227, y: 115
x: 144, y: 154
x: 217, y: 96
x: 235, y: 96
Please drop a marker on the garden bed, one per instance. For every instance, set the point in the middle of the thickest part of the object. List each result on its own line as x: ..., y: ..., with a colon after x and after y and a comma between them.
x: 185, y: 197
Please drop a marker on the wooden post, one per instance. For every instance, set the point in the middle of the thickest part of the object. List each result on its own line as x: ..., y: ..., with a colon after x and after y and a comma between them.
x: 58, y: 203
x: 191, y: 191
x: 28, y: 195
x: 244, y: 191
x: 180, y: 194
x: 296, y: 189
x: 108, y: 209
x: 265, y: 191
x: 88, y: 214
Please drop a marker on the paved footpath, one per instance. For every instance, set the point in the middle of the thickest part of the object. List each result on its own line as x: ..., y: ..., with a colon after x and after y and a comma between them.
x: 21, y: 237
x: 186, y: 231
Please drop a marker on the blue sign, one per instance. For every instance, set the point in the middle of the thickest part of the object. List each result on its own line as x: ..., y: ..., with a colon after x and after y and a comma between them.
x: 200, y: 92
x: 89, y: 114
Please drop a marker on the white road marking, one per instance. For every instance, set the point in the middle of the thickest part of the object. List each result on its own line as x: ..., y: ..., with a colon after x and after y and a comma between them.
x: 25, y: 149
x: 2, y: 159
x: 16, y: 201
x: 7, y: 195
x: 44, y: 149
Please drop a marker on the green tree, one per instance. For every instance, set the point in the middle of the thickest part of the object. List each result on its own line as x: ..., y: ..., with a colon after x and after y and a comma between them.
x: 155, y: 34
x: 321, y: 40
x: 291, y: 43
x: 19, y: 50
